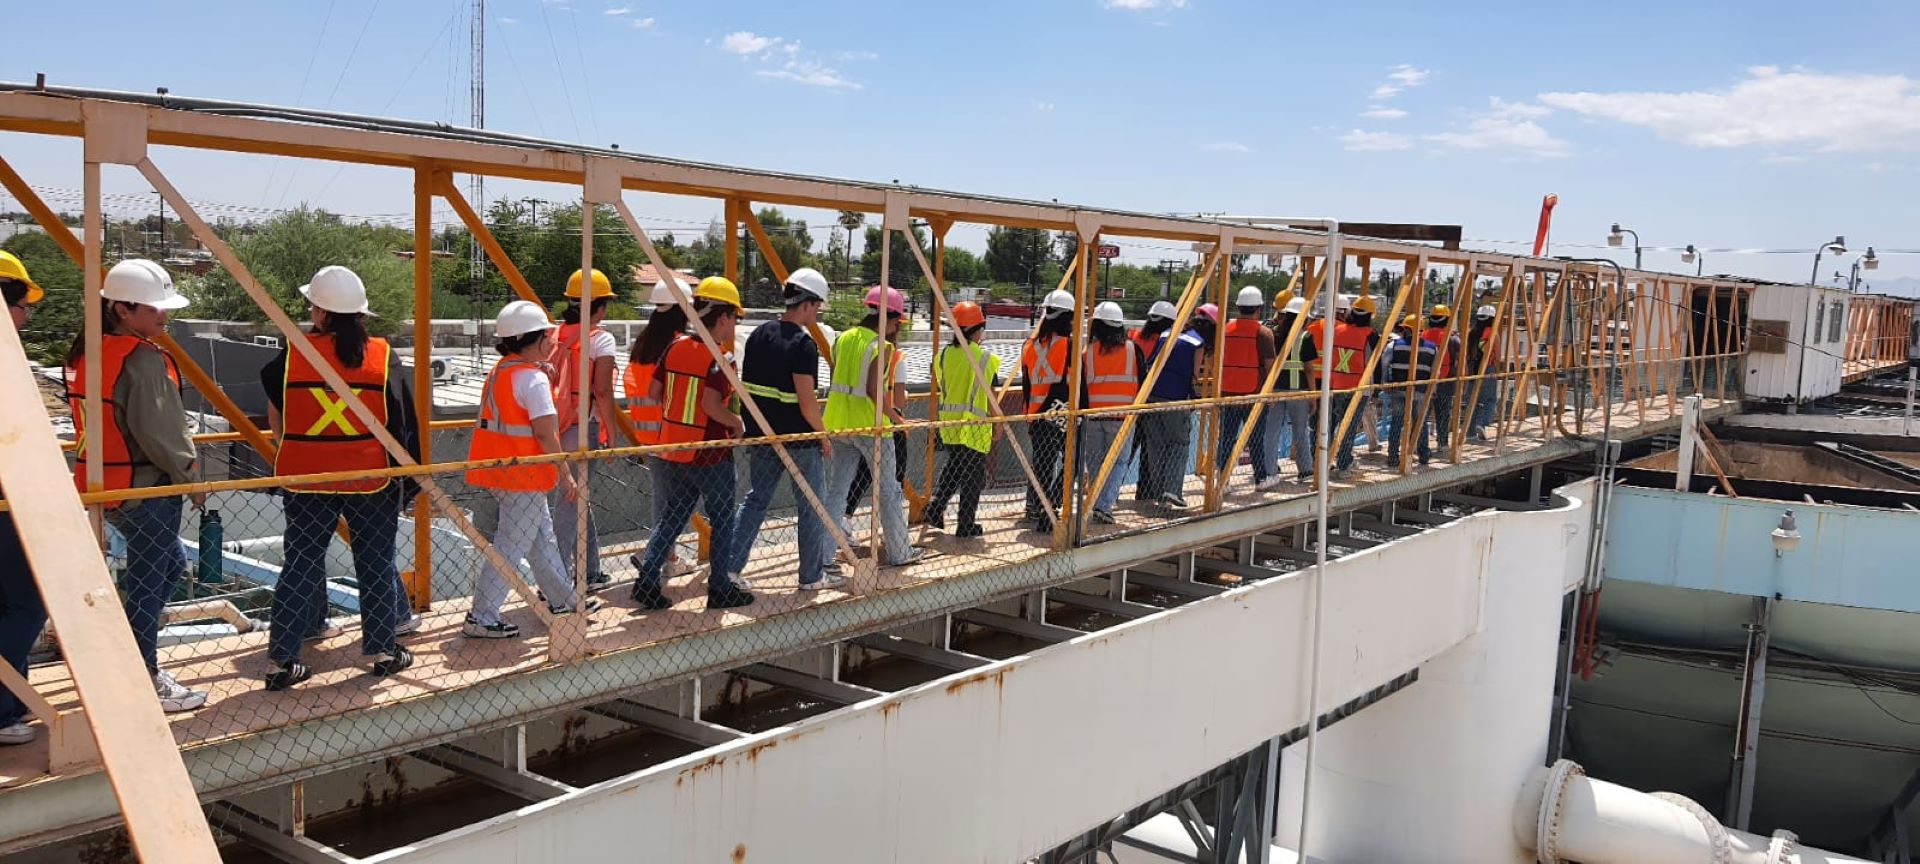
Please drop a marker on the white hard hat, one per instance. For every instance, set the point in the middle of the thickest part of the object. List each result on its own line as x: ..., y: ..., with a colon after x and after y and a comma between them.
x: 1250, y: 296
x: 663, y: 295
x: 809, y: 280
x: 1295, y: 305
x: 337, y: 289
x: 1162, y: 309
x: 520, y: 318
x: 1345, y: 302
x: 1485, y: 312
x: 137, y: 280
x: 1059, y: 301
x: 1110, y: 313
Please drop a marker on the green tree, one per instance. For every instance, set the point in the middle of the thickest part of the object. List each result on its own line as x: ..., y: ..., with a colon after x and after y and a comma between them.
x: 903, y: 270
x: 1017, y: 255
x: 963, y: 267
x: 285, y: 251
x: 791, y: 241
x: 57, y: 317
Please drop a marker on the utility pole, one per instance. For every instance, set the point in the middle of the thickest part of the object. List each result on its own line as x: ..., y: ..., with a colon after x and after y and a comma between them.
x: 478, y: 96
x: 163, y: 224
x: 1167, y: 266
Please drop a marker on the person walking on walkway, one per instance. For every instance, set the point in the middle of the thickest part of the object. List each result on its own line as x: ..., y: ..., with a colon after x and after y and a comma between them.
x: 694, y: 390
x: 1246, y: 348
x: 1408, y: 367
x: 963, y: 396
x: 1483, y: 354
x: 1353, y: 343
x: 518, y: 418
x: 1044, y: 387
x: 22, y: 615
x: 667, y: 323
x: 1446, y: 370
x: 566, y: 402
x: 1166, y: 435
x: 779, y: 369
x: 1111, y: 370
x: 318, y: 434
x: 1294, y: 415
x: 145, y: 442
x: 862, y: 394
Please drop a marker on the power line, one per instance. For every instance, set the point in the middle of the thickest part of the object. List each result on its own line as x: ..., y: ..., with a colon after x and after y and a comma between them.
x: 558, y: 68
x: 267, y: 188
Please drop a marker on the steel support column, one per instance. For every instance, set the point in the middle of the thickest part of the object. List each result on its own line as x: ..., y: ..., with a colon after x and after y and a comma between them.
x: 1746, y: 735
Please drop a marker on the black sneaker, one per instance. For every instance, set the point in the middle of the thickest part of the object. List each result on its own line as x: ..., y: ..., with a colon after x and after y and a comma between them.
x: 393, y: 664
x: 729, y: 599
x: 287, y: 675
x: 496, y: 630
x: 936, y: 520
x: 592, y: 605
x: 973, y: 530
x: 598, y: 581
x: 650, y: 598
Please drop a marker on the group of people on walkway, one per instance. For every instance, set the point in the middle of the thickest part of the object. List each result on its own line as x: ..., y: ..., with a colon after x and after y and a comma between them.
x: 679, y: 390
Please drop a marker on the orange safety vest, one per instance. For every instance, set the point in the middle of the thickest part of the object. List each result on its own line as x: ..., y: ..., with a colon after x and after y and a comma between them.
x: 1439, y: 337
x: 504, y: 429
x: 682, y: 420
x: 1043, y: 370
x: 1112, y: 377
x: 566, y: 373
x: 319, y: 433
x: 642, y: 408
x: 1240, y: 357
x: 1148, y: 342
x: 116, y: 460
x: 1349, y: 354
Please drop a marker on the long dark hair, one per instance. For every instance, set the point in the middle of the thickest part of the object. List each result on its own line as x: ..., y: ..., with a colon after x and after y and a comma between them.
x: 108, y: 324
x: 1156, y: 325
x: 1108, y: 335
x: 571, y: 314
x: 1202, y: 328
x: 662, y: 328
x: 1057, y: 325
x: 511, y: 345
x: 349, y: 332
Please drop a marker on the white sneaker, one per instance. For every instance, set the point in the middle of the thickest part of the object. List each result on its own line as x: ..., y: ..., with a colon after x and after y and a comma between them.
x: 18, y: 733
x: 826, y: 582
x: 1270, y: 483
x: 175, y: 698
x: 409, y: 626
x: 327, y: 631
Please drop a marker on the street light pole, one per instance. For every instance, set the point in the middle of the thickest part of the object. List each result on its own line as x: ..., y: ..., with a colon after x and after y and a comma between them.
x: 1839, y: 247
x: 1614, y: 239
x: 1693, y: 256
x: 1868, y: 261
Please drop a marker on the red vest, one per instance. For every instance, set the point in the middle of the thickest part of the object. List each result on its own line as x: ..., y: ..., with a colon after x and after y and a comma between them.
x: 319, y: 432
x: 565, y: 361
x: 116, y: 460
x: 1240, y: 357
x: 1445, y: 361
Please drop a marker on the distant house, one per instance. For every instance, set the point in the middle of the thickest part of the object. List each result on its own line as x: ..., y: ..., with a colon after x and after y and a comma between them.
x: 646, y: 277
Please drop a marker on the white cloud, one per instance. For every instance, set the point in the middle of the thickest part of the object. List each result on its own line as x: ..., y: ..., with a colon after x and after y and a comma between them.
x: 1400, y: 78
x: 1366, y: 142
x: 1143, y: 5
x: 618, y: 11
x: 859, y: 55
x: 1778, y: 159
x: 1771, y: 108
x: 1226, y: 147
x: 1384, y: 113
x: 641, y: 23
x: 812, y: 74
x: 1043, y: 107
x: 1506, y: 126
x: 508, y: 22
x: 746, y: 42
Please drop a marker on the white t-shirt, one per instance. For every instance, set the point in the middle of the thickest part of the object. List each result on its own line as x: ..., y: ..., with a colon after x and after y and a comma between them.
x: 534, y: 392
x: 600, y: 344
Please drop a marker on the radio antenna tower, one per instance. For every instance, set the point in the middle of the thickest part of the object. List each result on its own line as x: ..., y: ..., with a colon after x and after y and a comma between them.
x: 478, y: 96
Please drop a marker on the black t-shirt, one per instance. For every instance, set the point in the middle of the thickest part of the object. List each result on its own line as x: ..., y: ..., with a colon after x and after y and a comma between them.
x: 775, y: 353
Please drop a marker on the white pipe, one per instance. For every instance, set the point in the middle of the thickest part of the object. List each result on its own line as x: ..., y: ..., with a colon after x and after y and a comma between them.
x: 1689, y: 442
x: 222, y: 610
x: 1563, y: 815
x: 1334, y: 271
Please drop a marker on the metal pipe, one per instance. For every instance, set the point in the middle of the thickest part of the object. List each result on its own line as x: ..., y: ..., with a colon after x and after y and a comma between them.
x: 1334, y: 272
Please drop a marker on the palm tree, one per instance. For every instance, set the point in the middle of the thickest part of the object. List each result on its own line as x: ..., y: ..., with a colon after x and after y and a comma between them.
x: 850, y: 220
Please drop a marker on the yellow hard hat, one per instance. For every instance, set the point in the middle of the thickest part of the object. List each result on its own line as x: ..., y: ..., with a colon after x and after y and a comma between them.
x: 11, y: 268
x: 601, y: 287
x: 719, y: 288
x: 1280, y: 299
x: 1410, y: 322
x: 1363, y: 304
x: 1440, y: 310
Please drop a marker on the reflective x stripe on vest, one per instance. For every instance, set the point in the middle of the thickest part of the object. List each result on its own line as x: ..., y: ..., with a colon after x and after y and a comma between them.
x: 1349, y: 355
x: 320, y: 434
x: 1045, y: 368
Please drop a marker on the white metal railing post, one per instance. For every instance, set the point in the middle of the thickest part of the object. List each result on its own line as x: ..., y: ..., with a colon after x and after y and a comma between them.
x: 1335, y: 273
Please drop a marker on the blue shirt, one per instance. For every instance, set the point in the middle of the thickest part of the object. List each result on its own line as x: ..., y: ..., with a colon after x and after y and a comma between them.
x: 1176, y: 379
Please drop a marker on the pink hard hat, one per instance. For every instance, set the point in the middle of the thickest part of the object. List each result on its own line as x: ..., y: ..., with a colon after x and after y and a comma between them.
x: 896, y: 301
x: 1210, y: 312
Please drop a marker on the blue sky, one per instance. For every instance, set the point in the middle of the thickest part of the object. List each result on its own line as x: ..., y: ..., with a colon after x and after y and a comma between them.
x: 1749, y: 125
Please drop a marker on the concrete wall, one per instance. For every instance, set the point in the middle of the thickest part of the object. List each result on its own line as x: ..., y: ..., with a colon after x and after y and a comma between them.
x: 1006, y: 761
x: 1851, y: 556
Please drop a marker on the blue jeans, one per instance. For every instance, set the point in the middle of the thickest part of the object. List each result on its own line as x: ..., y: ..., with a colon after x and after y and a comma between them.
x: 1442, y: 413
x: 681, y: 488
x: 155, y: 562
x: 848, y: 453
x: 1096, y: 438
x: 1232, y: 418
x: 22, y: 616
x: 1295, y: 416
x: 1395, y: 406
x: 301, y: 597
x: 765, y: 471
x: 1483, y: 406
x: 1343, y: 448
